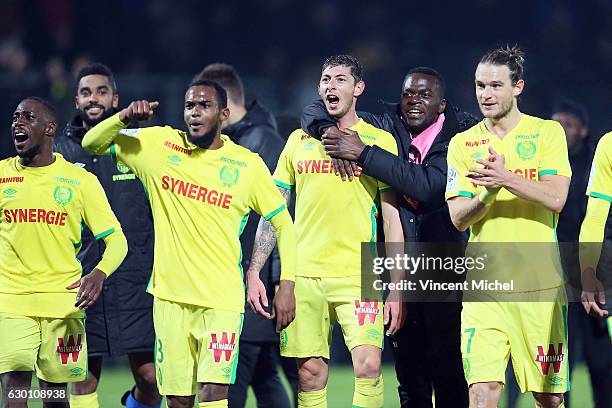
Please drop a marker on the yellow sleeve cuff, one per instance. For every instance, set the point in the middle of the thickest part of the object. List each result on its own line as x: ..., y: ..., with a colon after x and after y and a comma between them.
x: 115, y: 252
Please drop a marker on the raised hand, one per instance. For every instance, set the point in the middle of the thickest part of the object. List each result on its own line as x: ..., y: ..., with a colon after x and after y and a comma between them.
x: 138, y: 110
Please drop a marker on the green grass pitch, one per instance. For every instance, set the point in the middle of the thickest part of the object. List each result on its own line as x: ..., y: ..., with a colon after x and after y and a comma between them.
x: 339, y: 390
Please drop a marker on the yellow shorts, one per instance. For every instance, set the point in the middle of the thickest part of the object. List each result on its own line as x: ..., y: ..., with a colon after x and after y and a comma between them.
x: 320, y: 302
x: 194, y: 345
x: 533, y: 334
x: 54, y: 348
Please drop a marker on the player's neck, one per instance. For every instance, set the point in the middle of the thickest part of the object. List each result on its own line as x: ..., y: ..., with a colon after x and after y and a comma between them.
x: 349, y: 119
x: 41, y: 159
x: 217, y: 143
x: 504, y: 125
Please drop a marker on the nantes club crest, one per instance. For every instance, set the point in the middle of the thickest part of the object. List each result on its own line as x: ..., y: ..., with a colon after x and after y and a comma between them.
x: 62, y: 195
x: 526, y: 150
x: 229, y: 175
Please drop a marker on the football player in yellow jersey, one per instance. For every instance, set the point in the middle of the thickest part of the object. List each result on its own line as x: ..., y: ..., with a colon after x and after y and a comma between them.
x: 508, y: 179
x: 593, y: 228
x: 202, y: 187
x: 333, y: 217
x: 44, y: 201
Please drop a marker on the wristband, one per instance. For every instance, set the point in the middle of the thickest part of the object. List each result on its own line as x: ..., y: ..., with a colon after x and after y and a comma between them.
x: 486, y: 197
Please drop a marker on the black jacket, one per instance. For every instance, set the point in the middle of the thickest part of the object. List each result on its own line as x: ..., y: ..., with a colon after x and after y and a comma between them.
x: 424, y: 215
x: 125, y: 289
x: 257, y: 132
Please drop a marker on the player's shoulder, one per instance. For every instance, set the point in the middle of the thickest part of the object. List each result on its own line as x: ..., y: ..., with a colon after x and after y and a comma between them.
x: 297, y: 136
x: 5, y: 163
x: 604, y: 146
x: 536, y: 124
x: 478, y: 131
x: 372, y: 133
x: 73, y: 171
x: 239, y: 156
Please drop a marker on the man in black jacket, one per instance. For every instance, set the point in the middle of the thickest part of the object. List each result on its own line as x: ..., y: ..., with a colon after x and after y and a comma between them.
x: 427, y: 349
x: 121, y: 322
x: 254, y: 127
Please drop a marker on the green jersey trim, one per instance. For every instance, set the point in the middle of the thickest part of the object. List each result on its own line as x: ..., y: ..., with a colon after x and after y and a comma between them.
x: 273, y: 213
x: 599, y: 195
x: 235, y: 365
x: 465, y: 194
x: 105, y: 233
x: 545, y: 172
x: 283, y: 185
x: 113, y: 152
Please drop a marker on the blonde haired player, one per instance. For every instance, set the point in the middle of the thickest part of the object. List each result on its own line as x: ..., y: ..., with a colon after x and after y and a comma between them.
x: 508, y: 179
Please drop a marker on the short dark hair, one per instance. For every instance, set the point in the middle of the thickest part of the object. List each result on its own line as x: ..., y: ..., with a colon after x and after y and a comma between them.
x: 227, y: 76
x: 346, y: 60
x: 431, y: 72
x: 573, y: 108
x: 220, y: 91
x: 97, y: 68
x: 50, y: 110
x: 512, y: 57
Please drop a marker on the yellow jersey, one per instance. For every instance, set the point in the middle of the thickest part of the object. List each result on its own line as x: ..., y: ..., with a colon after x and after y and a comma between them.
x: 200, y: 201
x: 600, y: 179
x: 332, y: 217
x: 535, y: 147
x: 41, y: 215
x: 529, y: 255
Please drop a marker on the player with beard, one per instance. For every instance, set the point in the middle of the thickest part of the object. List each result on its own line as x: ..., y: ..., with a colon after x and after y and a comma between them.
x: 332, y: 219
x: 121, y: 322
x: 508, y: 179
x: 44, y: 202
x: 201, y: 187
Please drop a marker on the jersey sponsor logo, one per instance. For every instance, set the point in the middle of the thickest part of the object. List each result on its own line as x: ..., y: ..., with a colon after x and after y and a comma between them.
x: 125, y: 173
x: 529, y: 174
x: 528, y: 137
x: 67, y: 180
x: 233, y: 162
x: 451, y: 179
x: 35, y: 215
x: 229, y: 175
x: 310, y: 145
x: 11, y: 179
x: 305, y: 136
x: 9, y: 192
x: 222, y: 347
x: 368, y: 137
x: 177, y: 148
x: 62, y: 195
x: 550, y: 358
x: 69, y: 348
x: 526, y: 150
x: 367, y: 309
x: 475, y: 143
x: 319, y: 167
x: 174, y: 160
x: 477, y: 156
x: 196, y: 192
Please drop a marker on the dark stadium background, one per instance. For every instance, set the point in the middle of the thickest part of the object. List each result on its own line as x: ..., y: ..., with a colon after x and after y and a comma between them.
x: 156, y: 46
